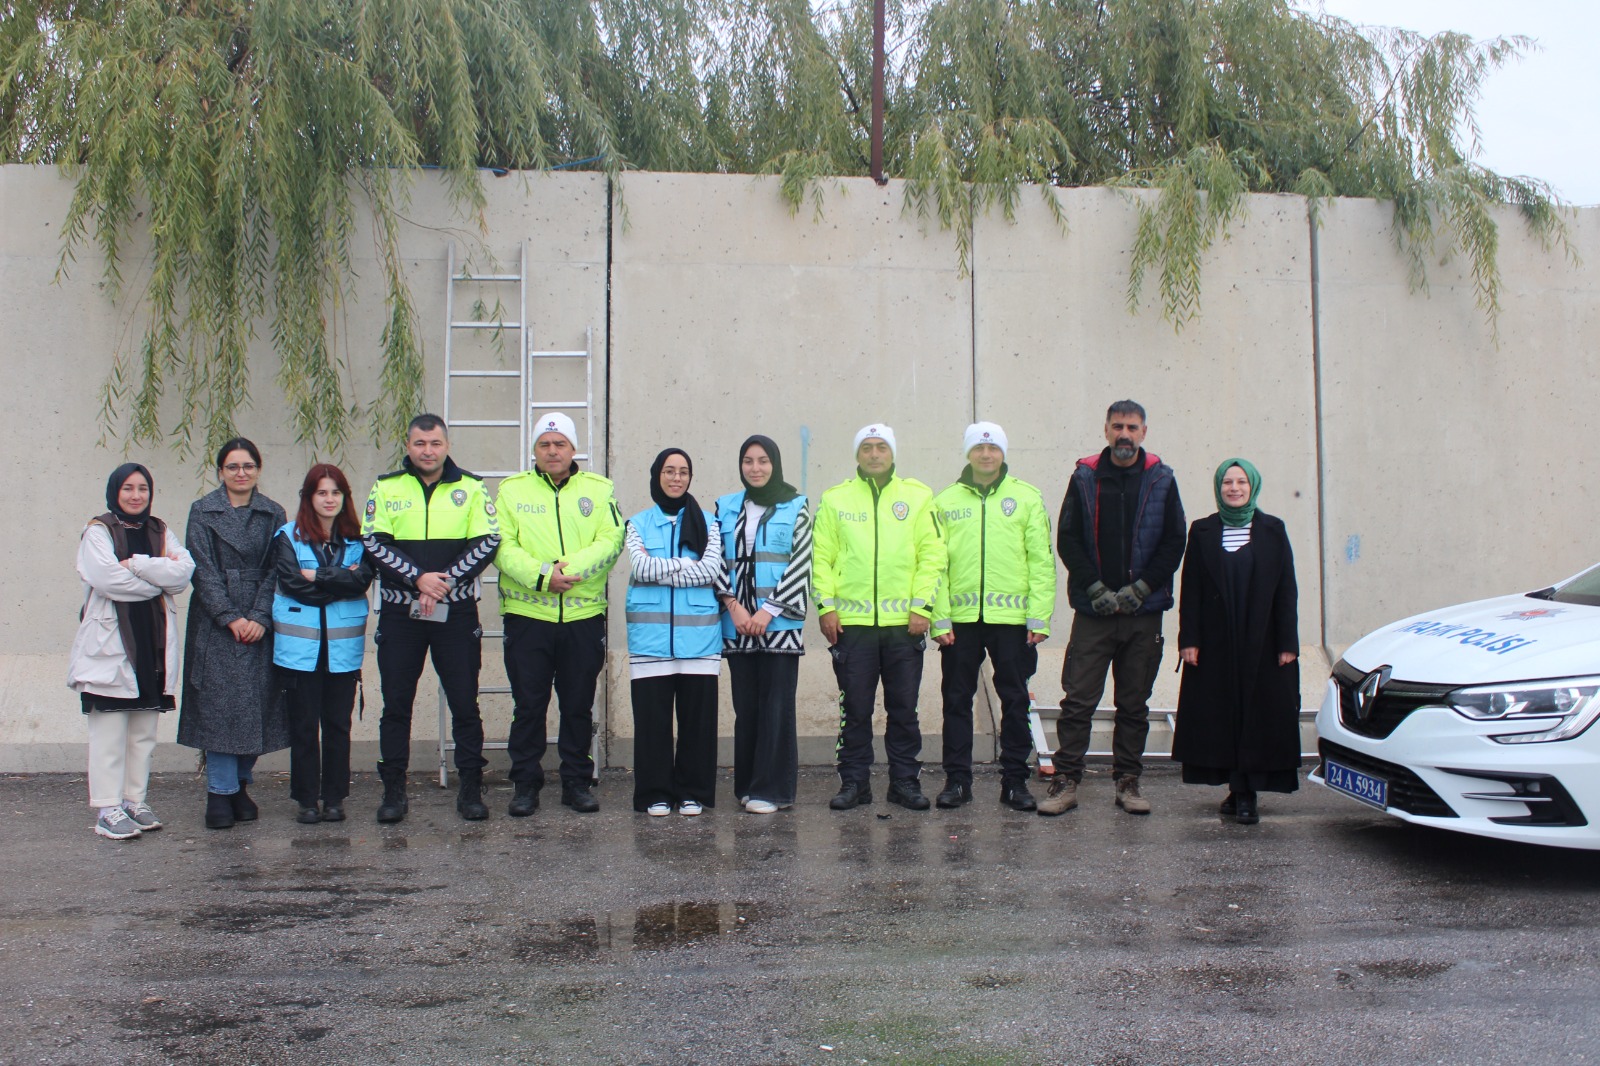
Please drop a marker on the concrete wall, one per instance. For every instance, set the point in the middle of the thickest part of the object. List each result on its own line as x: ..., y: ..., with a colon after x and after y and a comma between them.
x: 1447, y: 468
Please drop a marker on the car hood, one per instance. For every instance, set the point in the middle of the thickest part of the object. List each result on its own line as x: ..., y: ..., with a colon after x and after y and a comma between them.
x: 1508, y: 638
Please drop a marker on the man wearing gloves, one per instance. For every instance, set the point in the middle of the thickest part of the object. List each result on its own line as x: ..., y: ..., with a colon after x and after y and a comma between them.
x: 878, y: 556
x: 1121, y: 536
x: 996, y: 600
x: 560, y: 534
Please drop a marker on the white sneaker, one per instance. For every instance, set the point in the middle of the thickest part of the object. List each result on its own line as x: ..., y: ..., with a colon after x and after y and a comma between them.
x: 689, y: 808
x: 759, y: 806
x: 115, y: 823
x: 142, y: 816
x: 658, y: 810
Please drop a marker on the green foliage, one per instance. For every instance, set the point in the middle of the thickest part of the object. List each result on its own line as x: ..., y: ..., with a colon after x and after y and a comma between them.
x: 249, y: 138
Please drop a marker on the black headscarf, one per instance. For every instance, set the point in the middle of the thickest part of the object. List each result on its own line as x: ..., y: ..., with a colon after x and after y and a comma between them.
x: 114, y: 487
x: 692, y: 527
x: 776, y: 490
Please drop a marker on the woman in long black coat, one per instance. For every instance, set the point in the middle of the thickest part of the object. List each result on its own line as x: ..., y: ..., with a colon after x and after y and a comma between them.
x: 232, y: 701
x: 1238, y: 636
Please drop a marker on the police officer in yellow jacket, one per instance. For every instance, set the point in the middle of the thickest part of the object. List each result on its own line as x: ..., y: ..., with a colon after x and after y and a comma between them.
x: 430, y: 531
x: 561, y: 533
x: 996, y: 599
x: 878, y: 557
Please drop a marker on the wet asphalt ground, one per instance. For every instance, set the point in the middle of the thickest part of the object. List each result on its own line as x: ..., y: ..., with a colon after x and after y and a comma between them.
x: 1325, y: 934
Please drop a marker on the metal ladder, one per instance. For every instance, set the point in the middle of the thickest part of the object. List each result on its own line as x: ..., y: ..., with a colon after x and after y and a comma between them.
x: 527, y: 406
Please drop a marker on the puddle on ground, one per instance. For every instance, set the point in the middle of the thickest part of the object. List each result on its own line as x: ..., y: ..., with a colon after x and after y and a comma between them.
x: 659, y: 927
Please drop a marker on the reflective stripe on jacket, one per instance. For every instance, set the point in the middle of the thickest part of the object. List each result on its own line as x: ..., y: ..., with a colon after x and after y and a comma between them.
x: 770, y: 557
x: 666, y: 622
x: 542, y: 524
x: 297, y: 627
x: 878, y: 553
x: 1002, y: 565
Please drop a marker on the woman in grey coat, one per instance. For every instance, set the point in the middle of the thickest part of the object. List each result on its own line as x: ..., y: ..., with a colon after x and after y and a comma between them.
x: 232, y: 705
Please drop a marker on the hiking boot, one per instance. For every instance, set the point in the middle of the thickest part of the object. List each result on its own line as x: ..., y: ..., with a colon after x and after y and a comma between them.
x: 333, y: 812
x: 309, y: 815
x: 526, y: 801
x: 219, y: 811
x: 850, y: 795
x: 469, y: 797
x: 954, y: 795
x: 908, y: 794
x: 142, y: 816
x: 394, y: 805
x: 115, y: 824
x: 244, y: 808
x: 1061, y: 797
x: 1015, y: 794
x: 1128, y: 797
x: 579, y: 798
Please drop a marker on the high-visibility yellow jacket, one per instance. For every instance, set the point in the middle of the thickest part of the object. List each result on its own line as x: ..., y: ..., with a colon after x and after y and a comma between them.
x: 878, y: 554
x: 1002, y: 565
x: 412, y: 529
x: 542, y: 524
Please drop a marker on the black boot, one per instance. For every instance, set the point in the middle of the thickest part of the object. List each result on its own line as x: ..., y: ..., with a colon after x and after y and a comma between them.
x: 469, y: 800
x: 1248, y: 813
x: 576, y: 795
x: 1015, y: 794
x: 851, y: 795
x: 908, y: 794
x: 526, y: 801
x: 244, y: 808
x: 393, y: 807
x: 1230, y: 806
x: 219, y: 811
x: 955, y: 794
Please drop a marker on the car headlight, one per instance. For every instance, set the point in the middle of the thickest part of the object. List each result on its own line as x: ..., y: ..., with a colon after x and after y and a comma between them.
x: 1554, y: 710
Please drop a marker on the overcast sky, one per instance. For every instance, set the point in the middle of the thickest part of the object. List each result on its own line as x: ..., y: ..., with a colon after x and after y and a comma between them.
x: 1540, y: 116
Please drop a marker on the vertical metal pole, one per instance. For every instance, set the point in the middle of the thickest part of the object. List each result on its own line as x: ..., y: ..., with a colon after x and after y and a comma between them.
x: 877, y: 93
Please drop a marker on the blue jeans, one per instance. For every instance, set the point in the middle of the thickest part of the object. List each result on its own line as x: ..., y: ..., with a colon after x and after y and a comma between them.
x: 226, y: 774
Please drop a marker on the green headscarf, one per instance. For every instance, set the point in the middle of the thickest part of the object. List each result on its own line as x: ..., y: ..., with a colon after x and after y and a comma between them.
x: 1237, y: 516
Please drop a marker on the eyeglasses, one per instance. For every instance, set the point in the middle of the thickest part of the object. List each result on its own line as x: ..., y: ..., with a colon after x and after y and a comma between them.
x: 241, y: 468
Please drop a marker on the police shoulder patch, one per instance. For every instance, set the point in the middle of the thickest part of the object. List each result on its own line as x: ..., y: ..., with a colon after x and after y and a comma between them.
x: 488, y: 509
x: 372, y: 507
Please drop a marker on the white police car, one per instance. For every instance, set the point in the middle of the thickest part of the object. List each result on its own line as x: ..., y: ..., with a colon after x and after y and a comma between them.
x: 1476, y: 718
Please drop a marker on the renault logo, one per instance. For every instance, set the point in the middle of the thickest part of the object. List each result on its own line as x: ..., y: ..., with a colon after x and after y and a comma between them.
x: 1367, y: 691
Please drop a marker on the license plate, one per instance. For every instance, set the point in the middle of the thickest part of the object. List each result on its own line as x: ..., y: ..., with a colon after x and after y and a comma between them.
x: 1355, y: 784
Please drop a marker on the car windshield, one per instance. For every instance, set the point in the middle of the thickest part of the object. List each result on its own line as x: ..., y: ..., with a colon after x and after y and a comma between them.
x: 1584, y: 589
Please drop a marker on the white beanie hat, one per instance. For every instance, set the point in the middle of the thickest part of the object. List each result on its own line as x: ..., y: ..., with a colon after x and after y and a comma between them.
x: 555, y: 422
x: 879, y: 430
x: 983, y: 433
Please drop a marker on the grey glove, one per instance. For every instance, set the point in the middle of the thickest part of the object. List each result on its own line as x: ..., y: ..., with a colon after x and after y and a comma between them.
x: 1102, y: 600
x: 1131, y: 597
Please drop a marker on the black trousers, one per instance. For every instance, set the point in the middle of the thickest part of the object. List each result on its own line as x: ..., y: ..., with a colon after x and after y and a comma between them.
x: 766, y: 751
x: 567, y: 656
x: 1013, y: 660
x: 319, y: 706
x: 664, y: 772
x: 1130, y: 646
x: 456, y: 645
x: 864, y: 656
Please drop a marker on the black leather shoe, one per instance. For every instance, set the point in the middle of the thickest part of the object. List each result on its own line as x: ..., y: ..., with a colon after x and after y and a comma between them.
x: 219, y: 811
x: 393, y: 806
x: 1230, y: 806
x: 1247, y: 813
x: 579, y: 798
x: 1015, y: 794
x: 308, y: 816
x: 469, y: 799
x: 851, y: 795
x: 525, y: 802
x: 955, y: 794
x: 908, y: 794
x: 244, y: 808
x: 333, y: 812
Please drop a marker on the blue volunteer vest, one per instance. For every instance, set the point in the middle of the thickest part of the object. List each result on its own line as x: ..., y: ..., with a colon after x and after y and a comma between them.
x: 774, y: 545
x: 669, y: 623
x: 297, y: 627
